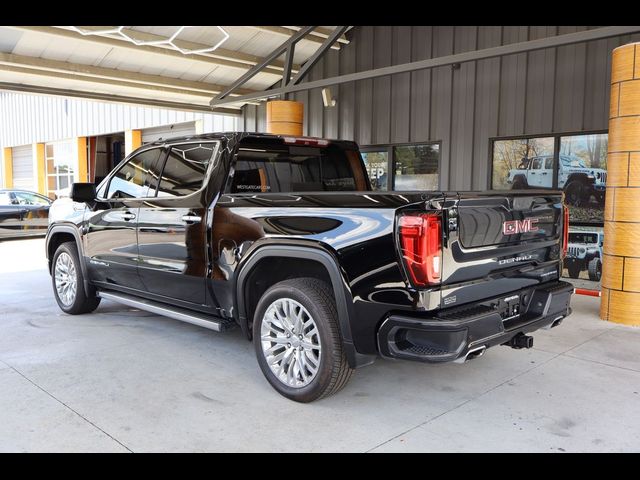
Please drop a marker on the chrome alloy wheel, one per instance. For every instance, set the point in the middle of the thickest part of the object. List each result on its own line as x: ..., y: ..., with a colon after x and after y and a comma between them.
x: 66, y: 279
x: 291, y: 342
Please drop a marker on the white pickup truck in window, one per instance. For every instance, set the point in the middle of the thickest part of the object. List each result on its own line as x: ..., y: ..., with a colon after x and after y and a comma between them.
x: 578, y: 181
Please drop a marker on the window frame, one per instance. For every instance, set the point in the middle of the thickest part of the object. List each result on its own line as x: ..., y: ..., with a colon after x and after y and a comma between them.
x: 123, y: 164
x: 232, y: 169
x: 207, y: 174
x: 165, y: 148
x: 71, y: 176
x: 391, y: 160
x: 557, y: 137
x: 556, y: 150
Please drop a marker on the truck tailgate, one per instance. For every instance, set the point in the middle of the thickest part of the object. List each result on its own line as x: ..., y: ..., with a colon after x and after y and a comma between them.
x: 511, y: 239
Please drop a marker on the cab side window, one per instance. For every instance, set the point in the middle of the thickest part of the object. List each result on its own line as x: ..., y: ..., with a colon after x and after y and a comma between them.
x: 537, y: 163
x: 138, y: 177
x: 185, y: 169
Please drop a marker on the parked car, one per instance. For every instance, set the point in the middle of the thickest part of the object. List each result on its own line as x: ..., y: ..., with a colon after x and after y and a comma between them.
x: 585, y: 253
x: 578, y: 181
x: 23, y: 213
x: 284, y: 238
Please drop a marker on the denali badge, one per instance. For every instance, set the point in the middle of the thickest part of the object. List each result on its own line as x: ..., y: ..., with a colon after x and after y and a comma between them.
x: 511, y: 227
x: 523, y: 258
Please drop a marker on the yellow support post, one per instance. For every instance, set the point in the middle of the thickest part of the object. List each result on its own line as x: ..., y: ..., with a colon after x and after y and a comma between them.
x: 132, y: 140
x: 82, y: 160
x: 620, y: 299
x: 8, y: 167
x: 41, y: 172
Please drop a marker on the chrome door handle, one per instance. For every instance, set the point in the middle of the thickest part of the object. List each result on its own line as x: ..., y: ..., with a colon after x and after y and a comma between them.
x: 128, y: 216
x: 191, y: 218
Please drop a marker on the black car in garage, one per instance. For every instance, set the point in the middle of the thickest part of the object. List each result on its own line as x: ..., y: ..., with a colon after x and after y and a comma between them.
x: 23, y: 213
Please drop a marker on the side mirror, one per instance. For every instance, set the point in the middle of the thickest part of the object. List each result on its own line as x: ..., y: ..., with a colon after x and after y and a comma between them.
x: 83, y: 192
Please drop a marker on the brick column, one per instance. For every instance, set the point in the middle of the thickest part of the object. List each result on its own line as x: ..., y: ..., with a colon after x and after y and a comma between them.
x: 284, y: 117
x: 621, y: 263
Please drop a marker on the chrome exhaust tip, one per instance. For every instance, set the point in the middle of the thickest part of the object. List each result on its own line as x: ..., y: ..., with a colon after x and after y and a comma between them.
x: 471, y: 354
x: 556, y: 321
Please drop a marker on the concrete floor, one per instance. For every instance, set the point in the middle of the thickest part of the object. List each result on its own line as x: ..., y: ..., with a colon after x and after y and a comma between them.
x: 124, y: 380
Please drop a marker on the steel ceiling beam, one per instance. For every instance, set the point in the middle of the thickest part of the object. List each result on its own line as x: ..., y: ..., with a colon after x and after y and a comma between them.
x: 331, y: 39
x: 42, y: 90
x: 290, y: 43
x: 510, y: 49
x: 322, y: 32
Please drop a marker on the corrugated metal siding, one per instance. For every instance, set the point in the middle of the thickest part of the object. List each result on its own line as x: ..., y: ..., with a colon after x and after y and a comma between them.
x: 564, y: 89
x: 26, y: 118
x: 22, y: 164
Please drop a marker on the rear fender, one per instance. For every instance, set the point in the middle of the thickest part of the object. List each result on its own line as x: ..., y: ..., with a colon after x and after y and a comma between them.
x: 341, y: 291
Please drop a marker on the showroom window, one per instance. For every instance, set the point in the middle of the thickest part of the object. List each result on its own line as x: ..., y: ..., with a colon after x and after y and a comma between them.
x: 377, y: 163
x: 60, y: 160
x: 576, y: 164
x: 413, y: 166
x: 416, y: 167
x: 521, y: 160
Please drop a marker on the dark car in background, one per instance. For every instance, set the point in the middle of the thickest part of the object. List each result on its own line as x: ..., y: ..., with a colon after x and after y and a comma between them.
x: 23, y: 213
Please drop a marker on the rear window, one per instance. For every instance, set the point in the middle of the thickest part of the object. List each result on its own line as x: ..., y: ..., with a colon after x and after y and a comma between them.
x: 292, y: 168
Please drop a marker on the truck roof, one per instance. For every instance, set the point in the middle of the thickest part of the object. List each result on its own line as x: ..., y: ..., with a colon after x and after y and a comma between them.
x: 248, y: 135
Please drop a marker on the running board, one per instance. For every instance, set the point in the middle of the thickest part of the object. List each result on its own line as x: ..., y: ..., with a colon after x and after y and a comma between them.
x: 195, y: 318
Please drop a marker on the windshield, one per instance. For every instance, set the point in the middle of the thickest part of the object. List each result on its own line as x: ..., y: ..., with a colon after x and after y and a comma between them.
x: 583, y: 238
x: 572, y: 161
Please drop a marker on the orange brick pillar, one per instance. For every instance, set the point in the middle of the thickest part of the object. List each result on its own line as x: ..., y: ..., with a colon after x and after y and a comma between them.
x: 620, y: 300
x: 284, y: 117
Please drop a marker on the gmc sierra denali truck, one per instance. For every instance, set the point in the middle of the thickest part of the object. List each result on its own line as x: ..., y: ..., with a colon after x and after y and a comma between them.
x: 284, y: 238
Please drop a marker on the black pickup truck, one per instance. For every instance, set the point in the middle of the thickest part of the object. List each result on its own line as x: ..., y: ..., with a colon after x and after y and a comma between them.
x: 284, y: 238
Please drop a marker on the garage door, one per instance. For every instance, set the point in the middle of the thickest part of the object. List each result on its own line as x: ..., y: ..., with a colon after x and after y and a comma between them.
x: 168, y: 131
x: 23, y: 174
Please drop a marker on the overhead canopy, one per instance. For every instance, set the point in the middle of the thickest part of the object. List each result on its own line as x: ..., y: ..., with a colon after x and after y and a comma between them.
x: 174, y: 67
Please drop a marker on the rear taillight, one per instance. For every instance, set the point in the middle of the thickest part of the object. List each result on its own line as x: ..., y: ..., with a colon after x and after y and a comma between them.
x: 421, y: 247
x: 565, y: 231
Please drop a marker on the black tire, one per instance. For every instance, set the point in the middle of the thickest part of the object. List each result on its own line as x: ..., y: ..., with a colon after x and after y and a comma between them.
x: 574, y: 269
x: 575, y: 193
x: 595, y: 270
x: 83, y: 302
x: 333, y: 370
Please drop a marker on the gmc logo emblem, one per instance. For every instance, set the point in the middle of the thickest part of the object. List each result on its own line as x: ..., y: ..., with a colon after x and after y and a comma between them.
x: 511, y: 227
